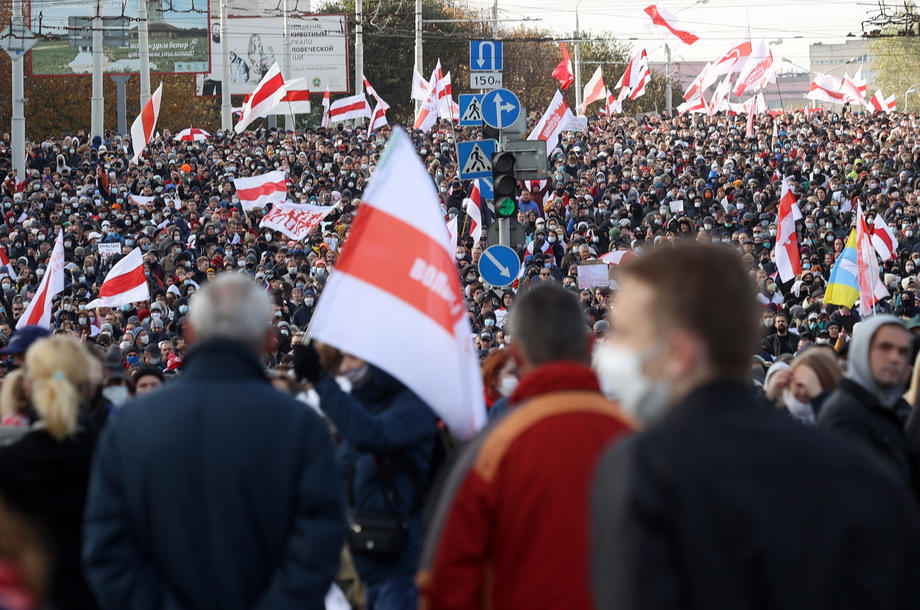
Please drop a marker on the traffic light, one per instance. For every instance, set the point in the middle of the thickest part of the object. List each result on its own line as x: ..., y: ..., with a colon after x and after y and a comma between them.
x: 504, y: 184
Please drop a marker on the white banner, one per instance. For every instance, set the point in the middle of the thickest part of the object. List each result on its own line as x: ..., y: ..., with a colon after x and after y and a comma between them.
x: 107, y: 250
x: 295, y: 220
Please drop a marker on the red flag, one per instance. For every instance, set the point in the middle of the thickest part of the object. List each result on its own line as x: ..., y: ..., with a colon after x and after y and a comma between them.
x: 563, y: 72
x: 666, y: 20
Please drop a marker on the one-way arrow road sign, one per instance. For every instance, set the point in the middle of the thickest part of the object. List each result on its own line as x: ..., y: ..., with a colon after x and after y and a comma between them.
x: 499, y: 265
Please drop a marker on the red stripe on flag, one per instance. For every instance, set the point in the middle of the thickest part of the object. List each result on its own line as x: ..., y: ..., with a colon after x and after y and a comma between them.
x: 254, y: 192
x: 148, y: 118
x: 348, y: 108
x: 267, y: 90
x: 297, y: 96
x: 123, y: 283
x: 35, y: 316
x: 423, y: 276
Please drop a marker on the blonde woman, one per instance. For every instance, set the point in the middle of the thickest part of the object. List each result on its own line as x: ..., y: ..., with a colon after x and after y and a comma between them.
x: 44, y: 475
x: 14, y: 405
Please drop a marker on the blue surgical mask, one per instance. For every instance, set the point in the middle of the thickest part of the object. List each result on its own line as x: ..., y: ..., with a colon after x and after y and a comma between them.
x: 183, y: 309
x: 132, y: 360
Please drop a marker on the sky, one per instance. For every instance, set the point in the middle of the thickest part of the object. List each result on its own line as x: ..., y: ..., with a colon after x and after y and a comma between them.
x: 718, y: 23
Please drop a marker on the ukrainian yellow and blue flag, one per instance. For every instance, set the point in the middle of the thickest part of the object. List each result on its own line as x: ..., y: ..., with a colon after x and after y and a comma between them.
x: 843, y: 286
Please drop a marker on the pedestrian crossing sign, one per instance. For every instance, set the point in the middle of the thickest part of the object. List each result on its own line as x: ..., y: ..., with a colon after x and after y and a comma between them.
x: 475, y: 158
x: 471, y: 109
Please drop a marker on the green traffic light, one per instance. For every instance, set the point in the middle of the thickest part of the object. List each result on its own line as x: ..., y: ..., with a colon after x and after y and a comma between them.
x: 506, y: 207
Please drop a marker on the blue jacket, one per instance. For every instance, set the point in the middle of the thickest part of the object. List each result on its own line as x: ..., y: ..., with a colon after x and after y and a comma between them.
x: 381, y: 422
x: 216, y: 491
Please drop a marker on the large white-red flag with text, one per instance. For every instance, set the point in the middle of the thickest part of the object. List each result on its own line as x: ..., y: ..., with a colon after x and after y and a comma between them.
x: 125, y: 283
x: 397, y: 265
x: 557, y: 118
x: 38, y: 313
x: 295, y: 220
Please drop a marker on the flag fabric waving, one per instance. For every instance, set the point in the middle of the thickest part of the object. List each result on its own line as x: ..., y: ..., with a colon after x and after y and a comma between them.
x: 38, y: 313
x: 879, y: 103
x: 871, y: 289
x: 326, y: 101
x: 557, y: 118
x: 351, y: 107
x: 786, y: 251
x: 192, y: 134
x: 826, y: 88
x: 594, y: 90
x: 5, y: 265
x: 125, y: 283
x: 398, y: 265
x: 259, y: 191
x: 663, y: 18
x: 843, y: 287
x: 733, y: 60
x: 295, y: 220
x: 473, y: 207
x: 428, y: 112
x: 419, y: 86
x: 143, y: 126
x: 635, y: 76
x: 563, y: 72
x: 854, y: 88
x: 378, y: 119
x: 268, y: 94
x: 758, y: 71
x: 883, y: 239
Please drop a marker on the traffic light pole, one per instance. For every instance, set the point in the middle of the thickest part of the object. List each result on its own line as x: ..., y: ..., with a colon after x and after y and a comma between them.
x: 504, y: 224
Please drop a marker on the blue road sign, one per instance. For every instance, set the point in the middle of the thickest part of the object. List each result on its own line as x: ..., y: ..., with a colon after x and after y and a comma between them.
x: 485, y: 56
x: 499, y: 265
x: 485, y: 188
x: 471, y: 109
x: 500, y: 108
x: 475, y: 158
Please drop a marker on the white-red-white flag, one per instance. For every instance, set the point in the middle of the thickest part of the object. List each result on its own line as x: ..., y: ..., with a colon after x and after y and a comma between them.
x: 635, y: 77
x: 351, y: 107
x: 268, y: 94
x: 144, y: 125
x: 420, y: 86
x: 786, y: 252
x: 295, y: 220
x: 192, y: 134
x: 886, y: 244
x: 826, y: 88
x: 871, y: 287
x: 452, y: 231
x: 719, y: 101
x: 758, y: 71
x: 398, y: 265
x: 694, y: 105
x: 295, y: 101
x: 563, y: 72
x: 326, y: 102
x: 473, y: 206
x: 38, y: 313
x: 428, y: 112
x: 557, y: 118
x: 854, y: 88
x: 595, y: 90
x: 879, y: 103
x: 259, y: 191
x: 5, y: 265
x: 125, y: 283
x: 378, y: 119
x: 447, y: 108
x: 663, y: 18
x: 373, y: 93
x: 732, y: 60
x: 618, y: 257
x: 699, y: 84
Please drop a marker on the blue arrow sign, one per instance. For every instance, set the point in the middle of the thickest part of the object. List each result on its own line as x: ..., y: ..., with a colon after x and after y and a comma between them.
x: 471, y: 109
x: 475, y: 158
x: 499, y: 265
x: 500, y: 108
x: 485, y: 56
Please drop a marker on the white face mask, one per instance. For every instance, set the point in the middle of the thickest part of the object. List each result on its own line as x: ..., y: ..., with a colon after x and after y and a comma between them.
x: 116, y: 394
x: 797, y: 407
x: 620, y: 372
x: 507, y: 385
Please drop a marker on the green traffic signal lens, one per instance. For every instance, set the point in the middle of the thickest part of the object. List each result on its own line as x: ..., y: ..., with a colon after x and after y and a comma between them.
x: 506, y: 207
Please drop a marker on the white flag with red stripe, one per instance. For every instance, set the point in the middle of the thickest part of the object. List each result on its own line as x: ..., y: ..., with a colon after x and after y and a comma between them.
x: 295, y: 220
x: 883, y: 239
x: 125, y: 283
x: 143, y: 126
x: 373, y: 93
x: 259, y: 191
x: 854, y: 88
x: 879, y: 103
x: 618, y: 257
x: 348, y: 108
x: 378, y: 119
x: 826, y: 88
x: 452, y: 231
x: 420, y: 86
x: 786, y: 252
x: 447, y: 108
x: 295, y: 101
x: 732, y: 60
x: 38, y: 313
x: 557, y: 118
x: 595, y: 90
x: 474, y: 211
x: 398, y: 265
x: 700, y: 83
x: 758, y: 71
x: 693, y: 105
x: 326, y: 99
x: 428, y: 112
x: 871, y: 287
x: 268, y: 94
x: 5, y: 264
x: 663, y: 18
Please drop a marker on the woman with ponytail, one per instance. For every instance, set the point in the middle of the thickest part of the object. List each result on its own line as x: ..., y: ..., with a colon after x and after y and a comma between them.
x: 44, y: 475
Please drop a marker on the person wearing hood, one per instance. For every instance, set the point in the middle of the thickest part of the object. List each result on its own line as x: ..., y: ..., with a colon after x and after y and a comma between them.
x: 388, y: 440
x: 867, y: 408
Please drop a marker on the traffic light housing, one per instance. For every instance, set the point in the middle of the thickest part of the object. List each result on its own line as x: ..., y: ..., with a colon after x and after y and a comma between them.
x: 504, y: 184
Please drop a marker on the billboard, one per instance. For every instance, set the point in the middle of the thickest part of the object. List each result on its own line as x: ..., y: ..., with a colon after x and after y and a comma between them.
x: 178, y: 33
x: 318, y: 45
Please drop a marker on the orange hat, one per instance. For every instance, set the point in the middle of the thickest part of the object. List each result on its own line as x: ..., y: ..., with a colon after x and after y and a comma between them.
x: 186, y: 167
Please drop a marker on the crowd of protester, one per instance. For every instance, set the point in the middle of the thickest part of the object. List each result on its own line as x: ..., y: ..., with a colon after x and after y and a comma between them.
x: 634, y: 184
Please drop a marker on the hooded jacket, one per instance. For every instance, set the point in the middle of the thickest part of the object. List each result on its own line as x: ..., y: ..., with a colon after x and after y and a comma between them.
x: 870, y: 416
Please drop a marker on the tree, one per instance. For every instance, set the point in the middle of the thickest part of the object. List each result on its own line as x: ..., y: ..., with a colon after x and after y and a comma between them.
x: 895, y: 55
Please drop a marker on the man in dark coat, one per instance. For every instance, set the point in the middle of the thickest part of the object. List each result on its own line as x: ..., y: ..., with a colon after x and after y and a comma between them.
x: 722, y: 502
x: 780, y: 342
x: 867, y: 407
x: 216, y: 491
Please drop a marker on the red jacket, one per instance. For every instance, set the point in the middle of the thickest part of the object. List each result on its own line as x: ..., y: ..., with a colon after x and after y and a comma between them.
x: 511, y: 528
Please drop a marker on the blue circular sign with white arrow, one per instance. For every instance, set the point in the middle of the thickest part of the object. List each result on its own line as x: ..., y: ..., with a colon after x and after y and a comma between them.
x: 500, y: 108
x: 499, y: 265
